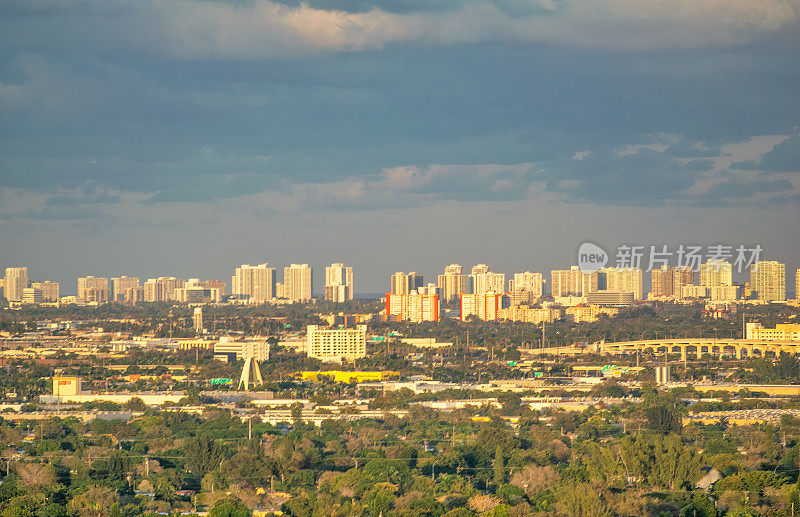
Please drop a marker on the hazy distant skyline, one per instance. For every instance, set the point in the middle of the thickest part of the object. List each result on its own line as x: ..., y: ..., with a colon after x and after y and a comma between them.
x: 188, y: 137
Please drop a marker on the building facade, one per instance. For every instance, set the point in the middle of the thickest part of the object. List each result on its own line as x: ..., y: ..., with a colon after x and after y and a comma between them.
x: 338, y: 283
x: 93, y: 289
x: 297, y: 282
x: 16, y: 280
x: 255, y: 283
x: 768, y: 280
x: 572, y: 282
x: 716, y: 273
x: 336, y: 344
x: 623, y: 280
x: 453, y: 282
x: 51, y: 291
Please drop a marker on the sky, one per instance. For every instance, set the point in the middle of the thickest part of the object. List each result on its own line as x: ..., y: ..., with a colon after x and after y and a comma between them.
x: 186, y: 137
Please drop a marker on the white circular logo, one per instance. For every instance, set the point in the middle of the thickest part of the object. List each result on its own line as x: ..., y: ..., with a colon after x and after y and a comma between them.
x: 591, y: 257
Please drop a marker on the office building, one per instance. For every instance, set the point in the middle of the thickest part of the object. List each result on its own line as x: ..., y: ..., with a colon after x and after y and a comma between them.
x: 483, y: 280
x: 781, y: 332
x: 93, y: 289
x: 32, y: 296
x: 297, y: 282
x: 229, y: 349
x: 338, y: 283
x: 623, y: 280
x: 526, y: 314
x: 254, y: 283
x: 768, y: 280
x: 611, y: 298
x: 51, y: 291
x: 64, y: 386
x: 194, y: 292
x: 16, y: 280
x: 336, y: 344
x: 453, y: 282
x: 716, y: 273
x: 122, y: 288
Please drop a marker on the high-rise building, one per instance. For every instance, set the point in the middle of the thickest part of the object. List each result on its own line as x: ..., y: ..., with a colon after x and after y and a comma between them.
x: 93, y: 289
x: 715, y: 273
x: 768, y: 280
x: 453, y: 282
x: 572, y: 282
x: 484, y: 280
x: 338, y: 283
x: 398, y: 284
x: 483, y: 305
x: 214, y: 284
x: 419, y: 305
x: 122, y: 288
x: 623, y: 280
x: 682, y: 277
x: 401, y: 283
x: 336, y: 344
x: 16, y: 281
x: 662, y: 282
x: 197, y: 319
x: 153, y: 291
x: 797, y: 284
x: 528, y: 281
x: 160, y: 289
x: 415, y: 281
x: 256, y: 283
x: 297, y: 282
x: 50, y: 290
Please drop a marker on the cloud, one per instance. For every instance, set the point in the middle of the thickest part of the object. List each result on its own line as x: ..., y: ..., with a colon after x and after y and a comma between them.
x: 256, y: 29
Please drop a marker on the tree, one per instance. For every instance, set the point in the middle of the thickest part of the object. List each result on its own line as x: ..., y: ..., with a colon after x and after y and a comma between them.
x: 202, y: 455
x: 663, y: 418
x: 94, y: 502
x: 229, y: 508
x: 534, y: 479
x: 499, y: 467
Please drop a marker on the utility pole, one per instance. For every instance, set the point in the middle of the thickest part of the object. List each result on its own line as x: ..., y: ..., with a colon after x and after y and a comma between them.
x: 250, y: 429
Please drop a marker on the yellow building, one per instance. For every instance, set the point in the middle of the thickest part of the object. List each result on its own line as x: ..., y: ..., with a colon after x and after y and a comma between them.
x: 768, y: 280
x: 781, y: 332
x: 67, y: 386
x: 340, y: 376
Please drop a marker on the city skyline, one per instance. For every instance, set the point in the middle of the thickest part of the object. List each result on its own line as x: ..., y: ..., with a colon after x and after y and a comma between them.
x: 271, y: 288
x: 161, y: 146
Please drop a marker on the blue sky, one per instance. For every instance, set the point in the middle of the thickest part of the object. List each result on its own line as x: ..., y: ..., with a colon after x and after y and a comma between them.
x: 186, y: 137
